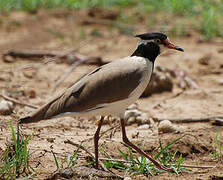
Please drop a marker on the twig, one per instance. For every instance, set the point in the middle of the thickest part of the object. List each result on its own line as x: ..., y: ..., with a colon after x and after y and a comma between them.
x: 192, y: 120
x: 88, y: 139
x: 117, y: 160
x: 193, y: 166
x: 16, y: 101
x: 80, y: 59
x: 68, y: 72
x: 182, y: 165
x: 88, y: 152
x: 70, y: 56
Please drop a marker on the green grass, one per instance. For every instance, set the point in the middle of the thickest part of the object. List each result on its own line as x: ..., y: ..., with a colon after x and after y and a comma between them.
x: 131, y: 164
x: 218, y: 147
x: 141, y: 165
x: 14, y: 161
x: 68, y: 160
x: 205, y: 16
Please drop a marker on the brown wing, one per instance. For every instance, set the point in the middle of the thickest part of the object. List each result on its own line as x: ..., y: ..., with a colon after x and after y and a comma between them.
x: 109, y: 83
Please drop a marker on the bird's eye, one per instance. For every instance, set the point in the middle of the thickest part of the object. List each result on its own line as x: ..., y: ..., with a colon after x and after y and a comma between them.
x: 158, y: 41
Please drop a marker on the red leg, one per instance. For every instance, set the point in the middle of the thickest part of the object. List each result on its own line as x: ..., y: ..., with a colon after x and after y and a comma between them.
x: 96, y: 139
x: 126, y: 141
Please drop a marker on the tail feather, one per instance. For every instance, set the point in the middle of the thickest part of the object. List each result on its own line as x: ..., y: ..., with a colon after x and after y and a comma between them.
x: 47, y: 111
x: 25, y: 120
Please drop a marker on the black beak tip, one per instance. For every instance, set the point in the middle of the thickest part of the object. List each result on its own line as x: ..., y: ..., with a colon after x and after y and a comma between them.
x: 179, y: 49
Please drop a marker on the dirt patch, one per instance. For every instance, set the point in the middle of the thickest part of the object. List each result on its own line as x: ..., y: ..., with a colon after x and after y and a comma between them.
x: 62, y: 31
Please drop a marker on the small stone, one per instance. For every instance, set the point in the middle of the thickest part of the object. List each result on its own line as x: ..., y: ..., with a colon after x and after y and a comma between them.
x: 133, y: 106
x: 5, y: 77
x: 130, y: 121
x: 30, y: 93
x: 205, y: 60
x: 166, y: 126
x: 132, y: 113
x: 220, y: 51
x: 30, y: 73
x: 143, y: 118
x: 6, y: 107
x: 127, y: 178
x: 220, y: 81
x: 143, y: 127
x: 51, y: 140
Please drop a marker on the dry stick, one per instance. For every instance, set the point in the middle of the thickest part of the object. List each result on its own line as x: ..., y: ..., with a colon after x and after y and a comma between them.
x: 192, y: 120
x: 68, y: 72
x: 79, y: 60
x: 101, y: 134
x: 16, y: 101
x: 182, y: 165
x: 38, y: 54
x: 193, y: 166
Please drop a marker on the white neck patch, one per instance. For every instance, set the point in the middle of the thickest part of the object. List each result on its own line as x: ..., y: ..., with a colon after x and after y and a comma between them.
x: 144, y: 42
x: 162, y: 48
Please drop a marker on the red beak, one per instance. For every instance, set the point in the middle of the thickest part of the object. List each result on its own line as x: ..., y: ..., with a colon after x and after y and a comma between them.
x: 169, y: 45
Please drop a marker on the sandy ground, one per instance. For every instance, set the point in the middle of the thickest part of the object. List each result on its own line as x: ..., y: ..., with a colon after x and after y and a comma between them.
x: 62, y: 31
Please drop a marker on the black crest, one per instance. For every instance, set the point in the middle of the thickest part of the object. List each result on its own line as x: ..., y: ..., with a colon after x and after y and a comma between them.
x: 152, y: 35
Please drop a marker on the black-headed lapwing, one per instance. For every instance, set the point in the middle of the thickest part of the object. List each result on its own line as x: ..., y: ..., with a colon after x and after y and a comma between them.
x: 109, y: 89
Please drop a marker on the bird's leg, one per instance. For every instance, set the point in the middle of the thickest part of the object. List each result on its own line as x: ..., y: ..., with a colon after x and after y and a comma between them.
x: 126, y: 141
x: 96, y: 139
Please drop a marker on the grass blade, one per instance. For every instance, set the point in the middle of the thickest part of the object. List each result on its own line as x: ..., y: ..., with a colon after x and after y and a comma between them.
x: 55, y: 159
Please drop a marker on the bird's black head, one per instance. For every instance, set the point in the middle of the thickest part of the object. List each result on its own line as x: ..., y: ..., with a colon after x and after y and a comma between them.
x: 151, y: 45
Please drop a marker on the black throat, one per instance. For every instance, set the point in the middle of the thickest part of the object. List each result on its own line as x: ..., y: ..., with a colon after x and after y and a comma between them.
x: 149, y: 50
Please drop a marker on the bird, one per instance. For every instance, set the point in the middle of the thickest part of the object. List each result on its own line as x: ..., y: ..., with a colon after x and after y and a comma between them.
x: 109, y: 90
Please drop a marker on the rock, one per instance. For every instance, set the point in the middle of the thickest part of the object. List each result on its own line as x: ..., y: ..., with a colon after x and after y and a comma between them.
x: 6, y: 107
x: 204, y: 60
x: 160, y: 82
x: 30, y: 93
x: 127, y: 178
x: 130, y: 113
x: 136, y: 116
x: 130, y: 120
x: 5, y: 77
x: 166, y: 126
x: 31, y: 73
x: 143, y: 118
x: 220, y: 50
x: 143, y: 127
x: 82, y: 172
x: 132, y: 106
x: 220, y: 81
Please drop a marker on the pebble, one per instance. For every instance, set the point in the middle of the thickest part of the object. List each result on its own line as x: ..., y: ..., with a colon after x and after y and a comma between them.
x: 133, y: 106
x: 143, y: 127
x: 142, y: 118
x: 130, y: 120
x: 220, y: 81
x: 166, y: 126
x: 130, y: 113
x: 127, y: 178
x: 205, y: 60
x: 136, y: 116
x: 6, y: 107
